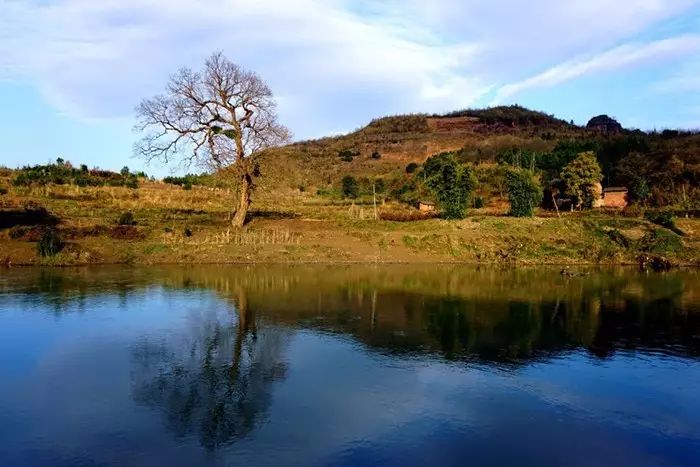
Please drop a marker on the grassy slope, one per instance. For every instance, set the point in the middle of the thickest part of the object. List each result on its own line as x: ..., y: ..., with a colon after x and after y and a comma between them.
x: 305, y: 228
x: 403, y: 139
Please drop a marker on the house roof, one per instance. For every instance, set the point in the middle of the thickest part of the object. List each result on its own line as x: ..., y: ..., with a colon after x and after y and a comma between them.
x: 615, y: 189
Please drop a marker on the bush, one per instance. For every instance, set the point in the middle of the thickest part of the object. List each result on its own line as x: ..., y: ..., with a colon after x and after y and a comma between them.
x: 379, y: 185
x: 63, y: 173
x: 193, y: 179
x: 187, y: 186
x: 451, y: 183
x: 3, y: 190
x: 376, y: 155
x: 639, y: 191
x: 126, y: 218
x: 479, y: 202
x: 350, y: 188
x: 50, y: 244
x: 347, y: 155
x: 187, y: 232
x: 411, y: 168
x: 660, y: 242
x: 524, y: 192
x: 132, y: 182
x: 664, y: 219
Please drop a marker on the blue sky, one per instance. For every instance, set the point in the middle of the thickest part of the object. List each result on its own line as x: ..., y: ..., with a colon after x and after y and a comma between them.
x: 72, y: 71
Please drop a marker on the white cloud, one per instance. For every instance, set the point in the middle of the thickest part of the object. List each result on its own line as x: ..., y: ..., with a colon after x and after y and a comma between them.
x: 326, y: 59
x: 97, y: 59
x: 618, y: 58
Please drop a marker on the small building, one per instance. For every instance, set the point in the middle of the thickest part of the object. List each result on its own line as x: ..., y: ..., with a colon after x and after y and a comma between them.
x: 615, y: 197
x: 426, y: 206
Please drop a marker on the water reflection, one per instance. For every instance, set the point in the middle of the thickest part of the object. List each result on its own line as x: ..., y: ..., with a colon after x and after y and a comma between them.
x: 215, y: 380
x: 349, y: 365
x: 458, y: 313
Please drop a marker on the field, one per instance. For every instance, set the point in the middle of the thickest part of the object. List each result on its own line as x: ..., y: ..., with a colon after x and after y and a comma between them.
x: 174, y: 225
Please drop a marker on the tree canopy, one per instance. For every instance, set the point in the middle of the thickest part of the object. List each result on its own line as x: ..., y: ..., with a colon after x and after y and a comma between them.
x: 220, y: 117
x: 580, y: 177
x: 524, y: 192
x: 451, y: 183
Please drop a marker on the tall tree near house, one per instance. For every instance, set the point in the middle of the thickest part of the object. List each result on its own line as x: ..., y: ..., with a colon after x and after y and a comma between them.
x: 220, y: 118
x: 581, y: 176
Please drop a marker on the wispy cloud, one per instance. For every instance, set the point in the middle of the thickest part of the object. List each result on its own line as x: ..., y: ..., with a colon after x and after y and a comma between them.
x: 333, y: 63
x: 621, y: 57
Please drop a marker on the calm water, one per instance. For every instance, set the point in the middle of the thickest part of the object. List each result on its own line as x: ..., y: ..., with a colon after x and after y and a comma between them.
x: 343, y: 366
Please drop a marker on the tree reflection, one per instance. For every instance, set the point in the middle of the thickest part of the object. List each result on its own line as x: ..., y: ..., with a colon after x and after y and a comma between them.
x: 215, y: 383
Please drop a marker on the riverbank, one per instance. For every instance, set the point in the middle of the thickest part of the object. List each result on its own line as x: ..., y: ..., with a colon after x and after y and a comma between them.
x: 171, y: 225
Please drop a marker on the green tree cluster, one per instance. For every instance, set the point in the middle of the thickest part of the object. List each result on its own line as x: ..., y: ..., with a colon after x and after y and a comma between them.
x: 580, y: 177
x: 451, y: 183
x: 63, y: 173
x: 524, y: 192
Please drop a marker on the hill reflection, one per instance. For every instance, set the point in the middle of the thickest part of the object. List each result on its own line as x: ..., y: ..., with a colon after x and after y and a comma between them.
x: 457, y: 312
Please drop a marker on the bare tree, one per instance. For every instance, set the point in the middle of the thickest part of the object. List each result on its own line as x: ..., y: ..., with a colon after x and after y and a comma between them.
x: 220, y: 118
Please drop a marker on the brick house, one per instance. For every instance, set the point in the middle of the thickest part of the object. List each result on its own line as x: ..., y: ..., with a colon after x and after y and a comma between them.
x: 615, y: 197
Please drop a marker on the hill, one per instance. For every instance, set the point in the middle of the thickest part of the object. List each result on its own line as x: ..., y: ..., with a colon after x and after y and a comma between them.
x: 388, y: 144
x: 668, y: 163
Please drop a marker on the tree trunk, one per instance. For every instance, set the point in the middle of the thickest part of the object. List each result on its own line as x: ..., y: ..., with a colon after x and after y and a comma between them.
x: 244, y: 189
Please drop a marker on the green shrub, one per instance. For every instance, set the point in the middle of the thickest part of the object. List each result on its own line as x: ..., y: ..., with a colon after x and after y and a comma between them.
x: 660, y: 242
x: 350, y: 188
x: 347, y: 155
x: 187, y: 232
x: 664, y: 219
x: 63, y: 173
x: 187, y: 186
x: 639, y: 190
x: 3, y: 190
x: 193, y: 179
x: 411, y: 168
x: 126, y: 218
x: 376, y: 155
x: 524, y: 192
x: 379, y: 185
x: 479, y: 202
x: 451, y: 183
x: 50, y: 244
x: 131, y: 182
